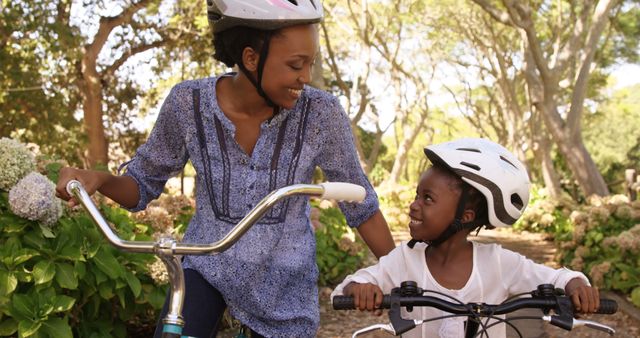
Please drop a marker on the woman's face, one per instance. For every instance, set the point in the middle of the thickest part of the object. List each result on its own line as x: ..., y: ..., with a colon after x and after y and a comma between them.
x: 289, y: 63
x: 434, y: 207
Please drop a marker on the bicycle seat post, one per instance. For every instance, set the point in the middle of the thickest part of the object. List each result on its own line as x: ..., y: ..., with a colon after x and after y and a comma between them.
x: 173, y: 322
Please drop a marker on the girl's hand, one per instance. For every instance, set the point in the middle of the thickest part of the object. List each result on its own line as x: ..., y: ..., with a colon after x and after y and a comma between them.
x: 365, y: 296
x: 586, y: 299
x: 91, y: 181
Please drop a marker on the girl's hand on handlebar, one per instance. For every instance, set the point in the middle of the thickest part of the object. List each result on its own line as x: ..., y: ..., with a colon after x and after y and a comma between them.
x: 585, y: 298
x: 91, y: 181
x: 366, y: 296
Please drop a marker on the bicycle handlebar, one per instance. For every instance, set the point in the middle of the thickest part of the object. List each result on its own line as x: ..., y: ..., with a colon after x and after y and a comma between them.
x: 328, y: 190
x: 607, y: 306
x: 556, y: 307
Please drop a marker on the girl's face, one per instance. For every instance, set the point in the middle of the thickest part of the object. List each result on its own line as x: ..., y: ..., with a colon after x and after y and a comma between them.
x: 434, y: 207
x: 289, y: 63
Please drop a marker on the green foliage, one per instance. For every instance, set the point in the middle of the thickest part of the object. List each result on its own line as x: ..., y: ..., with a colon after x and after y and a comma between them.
x: 339, y: 251
x: 75, y: 283
x: 600, y: 238
x: 611, y: 134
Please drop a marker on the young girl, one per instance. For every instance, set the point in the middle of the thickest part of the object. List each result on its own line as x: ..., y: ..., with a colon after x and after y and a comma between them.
x: 472, y: 183
x: 247, y: 134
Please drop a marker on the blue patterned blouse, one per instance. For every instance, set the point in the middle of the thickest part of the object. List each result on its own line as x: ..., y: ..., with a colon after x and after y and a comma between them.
x: 269, y: 277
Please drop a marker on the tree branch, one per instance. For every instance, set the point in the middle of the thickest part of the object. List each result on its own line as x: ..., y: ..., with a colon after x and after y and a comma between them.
x: 599, y: 21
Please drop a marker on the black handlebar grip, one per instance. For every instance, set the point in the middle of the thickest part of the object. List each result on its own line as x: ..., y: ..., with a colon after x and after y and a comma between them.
x: 607, y: 306
x: 345, y: 303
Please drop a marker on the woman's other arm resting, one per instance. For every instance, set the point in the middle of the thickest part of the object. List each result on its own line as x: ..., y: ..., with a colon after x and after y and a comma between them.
x: 375, y: 232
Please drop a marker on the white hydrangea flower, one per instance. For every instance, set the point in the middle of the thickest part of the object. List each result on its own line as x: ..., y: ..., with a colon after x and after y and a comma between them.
x: 34, y: 198
x: 15, y: 162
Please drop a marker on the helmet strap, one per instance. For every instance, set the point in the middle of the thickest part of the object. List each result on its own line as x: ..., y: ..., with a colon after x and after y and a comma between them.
x: 258, y: 82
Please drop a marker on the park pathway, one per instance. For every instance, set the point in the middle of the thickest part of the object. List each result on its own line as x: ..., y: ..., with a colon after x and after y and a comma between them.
x: 335, y: 324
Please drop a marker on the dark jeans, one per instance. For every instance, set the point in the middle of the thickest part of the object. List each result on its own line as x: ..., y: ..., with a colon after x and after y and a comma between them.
x: 202, y: 309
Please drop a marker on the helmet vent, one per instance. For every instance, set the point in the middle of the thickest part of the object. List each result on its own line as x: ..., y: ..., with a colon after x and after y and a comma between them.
x: 313, y: 3
x: 470, y: 165
x: 504, y: 159
x: 516, y: 200
x: 469, y: 149
x: 294, y: 2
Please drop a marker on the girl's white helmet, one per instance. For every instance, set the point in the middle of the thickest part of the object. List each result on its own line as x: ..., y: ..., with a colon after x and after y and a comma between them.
x: 490, y: 168
x: 262, y: 14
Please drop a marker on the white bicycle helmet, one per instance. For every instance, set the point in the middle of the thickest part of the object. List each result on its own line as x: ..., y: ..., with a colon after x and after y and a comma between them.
x: 490, y: 168
x: 262, y: 14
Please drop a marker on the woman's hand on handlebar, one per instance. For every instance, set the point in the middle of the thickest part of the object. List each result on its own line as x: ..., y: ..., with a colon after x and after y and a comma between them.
x: 366, y: 296
x: 91, y: 181
x: 585, y: 298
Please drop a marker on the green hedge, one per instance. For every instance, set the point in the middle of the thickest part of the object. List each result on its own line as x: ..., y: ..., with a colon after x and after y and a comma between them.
x: 600, y: 238
x: 68, y: 281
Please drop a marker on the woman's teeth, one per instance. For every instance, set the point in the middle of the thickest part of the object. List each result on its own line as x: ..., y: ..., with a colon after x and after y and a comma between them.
x: 414, y: 221
x: 295, y: 92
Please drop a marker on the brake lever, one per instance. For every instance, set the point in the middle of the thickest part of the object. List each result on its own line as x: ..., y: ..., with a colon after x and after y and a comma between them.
x: 594, y: 325
x: 382, y: 327
x: 562, y: 323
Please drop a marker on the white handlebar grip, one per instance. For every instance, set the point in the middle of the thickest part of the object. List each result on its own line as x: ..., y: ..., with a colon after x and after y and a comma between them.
x: 343, y: 191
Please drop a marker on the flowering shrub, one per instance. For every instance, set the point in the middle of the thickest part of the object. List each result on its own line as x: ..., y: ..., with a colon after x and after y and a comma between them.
x: 600, y: 238
x: 69, y: 281
x: 16, y: 161
x: 339, y: 251
x: 33, y: 198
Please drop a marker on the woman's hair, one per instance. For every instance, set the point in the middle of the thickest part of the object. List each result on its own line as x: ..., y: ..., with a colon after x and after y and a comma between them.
x: 230, y: 43
x: 475, y: 199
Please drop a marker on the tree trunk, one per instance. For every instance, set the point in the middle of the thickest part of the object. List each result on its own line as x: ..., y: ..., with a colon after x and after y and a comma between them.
x: 91, y: 91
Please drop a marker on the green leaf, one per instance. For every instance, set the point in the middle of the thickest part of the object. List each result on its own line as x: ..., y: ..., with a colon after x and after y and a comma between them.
x: 62, y: 303
x: 157, y: 297
x: 46, y: 231
x: 23, y: 255
x: 122, y: 297
x: 8, y: 327
x: 71, y: 252
x: 107, y: 263
x: 80, y: 268
x: 134, y: 283
x: 105, y: 290
x: 8, y: 282
x: 13, y: 224
x: 22, y: 306
x: 57, y: 327
x: 28, y: 327
x: 65, y: 276
x: 635, y: 296
x: 43, y: 272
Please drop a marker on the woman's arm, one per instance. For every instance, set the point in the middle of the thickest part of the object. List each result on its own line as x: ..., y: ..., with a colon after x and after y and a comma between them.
x: 375, y: 232
x: 121, y: 189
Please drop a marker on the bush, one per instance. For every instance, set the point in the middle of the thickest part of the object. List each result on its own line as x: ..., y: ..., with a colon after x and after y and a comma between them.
x: 339, y: 251
x: 600, y: 238
x: 68, y: 281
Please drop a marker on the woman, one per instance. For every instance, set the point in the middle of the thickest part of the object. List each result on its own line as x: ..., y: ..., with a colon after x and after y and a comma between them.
x: 246, y: 134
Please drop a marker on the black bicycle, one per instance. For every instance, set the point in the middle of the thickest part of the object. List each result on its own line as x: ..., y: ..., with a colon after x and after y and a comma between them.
x: 557, y: 309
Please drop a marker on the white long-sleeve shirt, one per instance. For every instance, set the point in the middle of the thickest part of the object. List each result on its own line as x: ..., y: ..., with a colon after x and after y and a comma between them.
x: 497, y: 274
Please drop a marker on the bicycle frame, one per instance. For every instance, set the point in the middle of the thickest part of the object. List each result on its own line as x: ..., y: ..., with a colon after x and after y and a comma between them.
x: 168, y: 248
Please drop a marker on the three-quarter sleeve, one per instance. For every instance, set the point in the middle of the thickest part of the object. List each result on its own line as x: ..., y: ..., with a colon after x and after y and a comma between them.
x: 162, y: 156
x: 340, y: 163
